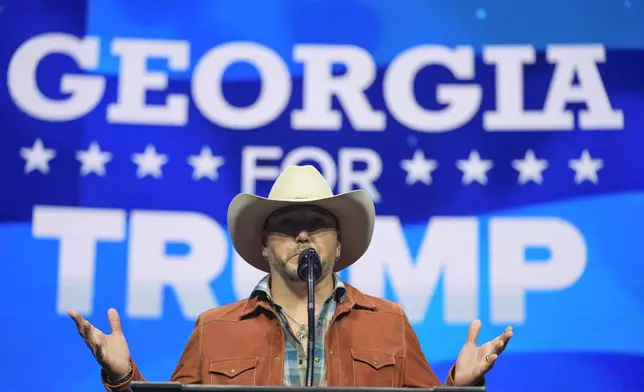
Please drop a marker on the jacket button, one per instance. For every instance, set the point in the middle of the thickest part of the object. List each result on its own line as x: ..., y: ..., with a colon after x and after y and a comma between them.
x: 331, y: 352
x: 232, y: 370
x: 277, y: 359
x: 375, y: 362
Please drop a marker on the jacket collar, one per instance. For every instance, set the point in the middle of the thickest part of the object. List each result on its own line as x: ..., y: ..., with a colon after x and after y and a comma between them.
x: 263, y: 289
x: 349, y: 298
x: 358, y: 298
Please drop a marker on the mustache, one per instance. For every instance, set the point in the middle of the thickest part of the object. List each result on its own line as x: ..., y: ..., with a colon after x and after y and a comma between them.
x: 297, y: 250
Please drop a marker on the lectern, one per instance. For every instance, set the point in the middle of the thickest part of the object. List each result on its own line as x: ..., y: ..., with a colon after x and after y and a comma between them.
x: 177, y: 387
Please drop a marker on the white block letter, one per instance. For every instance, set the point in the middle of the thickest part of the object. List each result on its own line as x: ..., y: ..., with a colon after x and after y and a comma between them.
x: 245, y: 276
x: 151, y: 269
x: 510, y: 114
x: 512, y: 276
x: 462, y: 101
x: 581, y: 61
x: 450, y: 248
x: 320, y: 86
x: 273, y: 97
x: 78, y: 230
x: 135, y: 80
x: 251, y: 172
x: 364, y: 179
x: 85, y: 91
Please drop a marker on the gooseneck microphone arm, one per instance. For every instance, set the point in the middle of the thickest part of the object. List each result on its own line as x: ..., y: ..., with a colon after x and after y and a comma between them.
x: 309, y: 269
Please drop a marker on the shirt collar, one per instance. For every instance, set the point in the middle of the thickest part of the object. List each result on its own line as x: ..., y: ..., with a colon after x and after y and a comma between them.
x: 263, y: 289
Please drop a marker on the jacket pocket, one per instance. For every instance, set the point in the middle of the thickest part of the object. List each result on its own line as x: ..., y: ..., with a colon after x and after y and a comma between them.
x: 233, y: 371
x: 373, y: 369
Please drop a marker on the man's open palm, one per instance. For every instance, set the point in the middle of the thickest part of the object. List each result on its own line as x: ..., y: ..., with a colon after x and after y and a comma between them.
x: 111, y: 351
x: 474, y: 361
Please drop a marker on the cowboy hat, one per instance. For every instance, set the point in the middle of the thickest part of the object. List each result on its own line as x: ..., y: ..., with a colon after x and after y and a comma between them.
x: 301, y: 185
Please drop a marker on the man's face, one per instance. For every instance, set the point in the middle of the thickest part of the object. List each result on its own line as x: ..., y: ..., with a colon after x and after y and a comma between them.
x: 289, y: 231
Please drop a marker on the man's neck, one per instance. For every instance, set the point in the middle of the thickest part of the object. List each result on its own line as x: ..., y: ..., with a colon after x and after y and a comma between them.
x: 292, y: 296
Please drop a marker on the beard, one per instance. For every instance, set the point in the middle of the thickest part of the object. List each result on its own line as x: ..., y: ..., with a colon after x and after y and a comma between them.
x: 288, y: 270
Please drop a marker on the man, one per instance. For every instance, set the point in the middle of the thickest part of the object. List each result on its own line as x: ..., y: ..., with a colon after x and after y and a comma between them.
x: 361, y: 340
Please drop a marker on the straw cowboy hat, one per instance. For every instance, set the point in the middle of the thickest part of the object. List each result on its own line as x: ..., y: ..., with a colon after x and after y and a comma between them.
x: 301, y: 185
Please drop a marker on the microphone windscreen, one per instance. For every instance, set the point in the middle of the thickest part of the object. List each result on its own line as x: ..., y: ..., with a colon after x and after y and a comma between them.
x: 307, y: 259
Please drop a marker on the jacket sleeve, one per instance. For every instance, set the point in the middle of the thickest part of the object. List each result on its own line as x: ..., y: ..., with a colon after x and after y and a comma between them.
x: 187, y: 371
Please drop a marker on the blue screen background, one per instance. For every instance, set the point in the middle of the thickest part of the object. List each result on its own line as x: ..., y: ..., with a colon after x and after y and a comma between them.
x: 585, y: 337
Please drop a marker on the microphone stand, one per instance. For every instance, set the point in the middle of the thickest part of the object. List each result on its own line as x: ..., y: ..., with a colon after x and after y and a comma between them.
x: 310, y: 288
x: 310, y: 269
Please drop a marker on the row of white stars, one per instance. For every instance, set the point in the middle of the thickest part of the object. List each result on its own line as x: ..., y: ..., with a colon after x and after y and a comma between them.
x: 148, y: 163
x: 530, y: 169
x: 206, y: 165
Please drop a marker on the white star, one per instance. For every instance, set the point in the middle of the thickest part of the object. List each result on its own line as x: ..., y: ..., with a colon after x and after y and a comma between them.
x: 37, y: 157
x: 93, y: 160
x: 530, y: 168
x: 205, y: 164
x: 586, y: 168
x: 149, y: 162
x: 418, y: 168
x: 474, y: 169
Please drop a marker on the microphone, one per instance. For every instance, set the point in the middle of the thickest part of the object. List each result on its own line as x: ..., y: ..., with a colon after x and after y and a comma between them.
x: 309, y: 269
x: 306, y: 258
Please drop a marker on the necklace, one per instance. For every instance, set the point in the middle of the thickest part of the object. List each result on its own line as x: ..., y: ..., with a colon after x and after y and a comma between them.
x: 302, y: 333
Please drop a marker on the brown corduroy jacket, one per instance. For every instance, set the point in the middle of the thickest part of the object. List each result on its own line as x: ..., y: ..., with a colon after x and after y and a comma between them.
x: 370, y: 343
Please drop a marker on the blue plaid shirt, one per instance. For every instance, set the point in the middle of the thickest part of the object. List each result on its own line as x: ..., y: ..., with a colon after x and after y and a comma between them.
x: 296, y: 353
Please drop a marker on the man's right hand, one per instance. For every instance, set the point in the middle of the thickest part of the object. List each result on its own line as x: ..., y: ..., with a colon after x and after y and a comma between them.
x: 111, y: 351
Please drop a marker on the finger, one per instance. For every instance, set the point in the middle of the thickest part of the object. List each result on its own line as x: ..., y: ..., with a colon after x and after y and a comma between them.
x: 115, y: 320
x: 506, y: 336
x: 489, y: 362
x: 498, y: 346
x: 473, y: 332
x: 84, y: 327
x: 501, y: 341
x: 78, y: 319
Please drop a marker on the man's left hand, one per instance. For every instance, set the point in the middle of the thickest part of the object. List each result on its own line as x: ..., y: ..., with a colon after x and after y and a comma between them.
x: 473, y: 361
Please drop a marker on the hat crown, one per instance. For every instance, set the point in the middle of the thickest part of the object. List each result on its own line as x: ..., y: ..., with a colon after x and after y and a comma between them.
x: 300, y: 183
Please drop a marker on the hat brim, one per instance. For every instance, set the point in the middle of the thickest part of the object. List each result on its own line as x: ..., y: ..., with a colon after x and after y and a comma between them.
x: 354, y: 211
